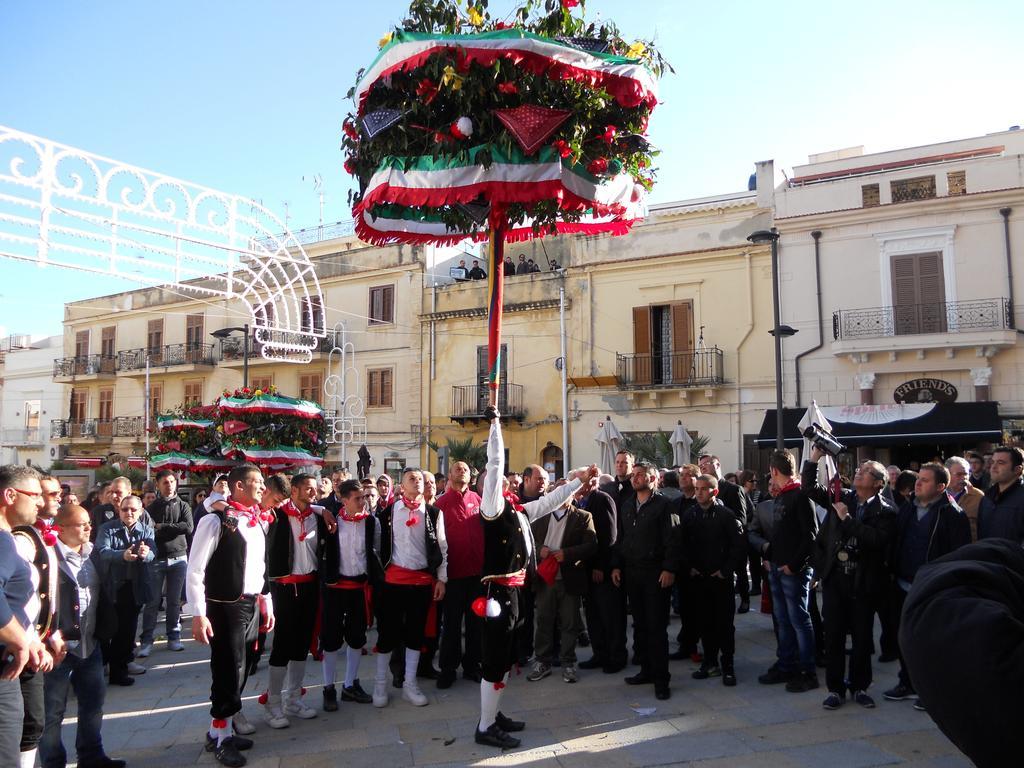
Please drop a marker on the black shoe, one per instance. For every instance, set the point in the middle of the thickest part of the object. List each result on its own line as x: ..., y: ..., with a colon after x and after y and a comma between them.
x: 887, y: 658
x: 899, y: 693
x: 775, y: 676
x: 509, y: 725
x: 446, y: 679
x: 662, y: 692
x: 611, y: 669
x: 495, y: 737
x: 639, y: 679
x: 728, y: 678
x: 473, y: 675
x: 330, y: 698
x: 833, y: 701
x: 744, y: 607
x: 862, y: 698
x: 803, y: 682
x: 355, y: 693
x: 592, y: 663
x: 124, y: 680
x: 583, y: 641
x: 241, y: 743
x: 104, y: 762
x: 705, y: 672
x: 919, y: 706
x: 227, y: 753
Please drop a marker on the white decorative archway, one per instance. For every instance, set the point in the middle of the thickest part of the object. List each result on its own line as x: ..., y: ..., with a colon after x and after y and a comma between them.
x: 64, y: 207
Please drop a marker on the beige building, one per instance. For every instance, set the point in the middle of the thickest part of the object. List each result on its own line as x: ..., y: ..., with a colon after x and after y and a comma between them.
x: 669, y: 323
x: 914, y: 256
x: 107, y: 340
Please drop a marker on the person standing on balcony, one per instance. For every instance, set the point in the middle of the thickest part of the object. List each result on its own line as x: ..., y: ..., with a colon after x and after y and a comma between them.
x: 522, y: 268
x: 508, y: 267
x: 172, y: 524
x: 477, y: 272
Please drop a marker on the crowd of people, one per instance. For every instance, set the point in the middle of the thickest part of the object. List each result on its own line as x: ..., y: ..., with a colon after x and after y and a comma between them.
x: 509, y: 268
x: 471, y: 573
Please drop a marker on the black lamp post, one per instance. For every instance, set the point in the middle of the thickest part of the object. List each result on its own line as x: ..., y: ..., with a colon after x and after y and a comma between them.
x: 778, y: 330
x: 224, y: 333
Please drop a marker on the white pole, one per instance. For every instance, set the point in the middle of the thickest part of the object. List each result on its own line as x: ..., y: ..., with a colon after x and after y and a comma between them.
x: 566, y: 464
x: 145, y: 408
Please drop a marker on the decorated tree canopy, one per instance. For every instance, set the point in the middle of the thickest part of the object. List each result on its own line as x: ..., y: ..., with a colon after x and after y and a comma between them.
x: 541, y: 119
x: 264, y: 428
x: 465, y: 126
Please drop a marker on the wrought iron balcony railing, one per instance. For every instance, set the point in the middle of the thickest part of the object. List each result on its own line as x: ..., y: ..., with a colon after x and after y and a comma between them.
x: 469, y: 402
x: 120, y: 426
x: 232, y: 347
x: 85, y: 365
x: 939, y: 317
x: 692, y: 368
x: 165, y: 356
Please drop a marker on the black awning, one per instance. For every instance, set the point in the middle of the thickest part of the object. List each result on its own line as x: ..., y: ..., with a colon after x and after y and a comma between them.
x: 880, y: 425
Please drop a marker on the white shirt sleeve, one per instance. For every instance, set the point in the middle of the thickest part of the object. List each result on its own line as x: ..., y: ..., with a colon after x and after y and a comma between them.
x: 493, y: 502
x: 548, y: 503
x: 204, y: 542
x: 442, y: 542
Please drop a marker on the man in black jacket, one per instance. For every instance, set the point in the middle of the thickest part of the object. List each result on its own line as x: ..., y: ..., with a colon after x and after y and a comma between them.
x: 646, y: 558
x: 930, y: 525
x: 605, y: 602
x: 1001, y: 511
x: 850, y: 561
x: 736, y: 499
x: 621, y: 488
x: 790, y: 552
x: 713, y: 547
x: 172, y: 518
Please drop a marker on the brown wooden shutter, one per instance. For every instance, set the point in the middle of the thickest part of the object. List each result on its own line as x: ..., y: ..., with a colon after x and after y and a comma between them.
x: 641, y: 345
x: 682, y: 340
x: 918, y: 293
x: 81, y: 344
x: 386, y: 399
x: 107, y: 338
x: 371, y: 389
x: 388, y: 312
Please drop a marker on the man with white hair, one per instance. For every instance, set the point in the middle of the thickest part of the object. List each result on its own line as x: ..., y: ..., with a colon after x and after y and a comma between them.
x: 963, y: 493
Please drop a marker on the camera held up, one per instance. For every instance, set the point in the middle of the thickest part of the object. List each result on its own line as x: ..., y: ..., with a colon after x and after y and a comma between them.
x: 824, y: 440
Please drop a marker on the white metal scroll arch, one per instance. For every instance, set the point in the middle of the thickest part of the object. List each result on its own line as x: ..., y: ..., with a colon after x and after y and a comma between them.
x: 64, y: 207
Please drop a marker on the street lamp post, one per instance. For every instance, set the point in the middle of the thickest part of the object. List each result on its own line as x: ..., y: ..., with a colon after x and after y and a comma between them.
x: 778, y: 330
x: 224, y: 333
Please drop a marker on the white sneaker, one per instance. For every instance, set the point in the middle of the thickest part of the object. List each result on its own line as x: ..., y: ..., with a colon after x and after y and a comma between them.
x: 293, y: 707
x: 144, y: 650
x: 411, y: 692
x: 135, y: 669
x: 274, y: 717
x: 380, y: 693
x: 242, y: 725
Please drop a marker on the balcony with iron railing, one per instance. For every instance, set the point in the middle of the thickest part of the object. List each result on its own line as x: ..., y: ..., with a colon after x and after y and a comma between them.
x: 982, y: 323
x: 232, y: 348
x: 133, y: 361
x: 96, y: 429
x: 701, y: 368
x: 84, y: 368
x: 470, y: 401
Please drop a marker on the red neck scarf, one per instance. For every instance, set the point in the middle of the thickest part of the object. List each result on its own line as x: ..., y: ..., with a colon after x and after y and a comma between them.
x: 354, y: 518
x: 254, y: 513
x: 292, y: 511
x: 413, y: 508
x: 512, y: 499
x: 792, y: 485
x: 47, y: 531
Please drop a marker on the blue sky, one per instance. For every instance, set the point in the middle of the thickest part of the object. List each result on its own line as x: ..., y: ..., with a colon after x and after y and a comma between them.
x: 249, y: 97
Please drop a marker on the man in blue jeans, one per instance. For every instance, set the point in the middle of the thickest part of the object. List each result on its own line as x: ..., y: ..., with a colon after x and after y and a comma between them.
x: 82, y: 668
x: 789, y: 553
x: 172, y: 521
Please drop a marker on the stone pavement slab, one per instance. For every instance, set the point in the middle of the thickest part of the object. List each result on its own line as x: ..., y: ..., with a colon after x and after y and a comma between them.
x: 159, y: 722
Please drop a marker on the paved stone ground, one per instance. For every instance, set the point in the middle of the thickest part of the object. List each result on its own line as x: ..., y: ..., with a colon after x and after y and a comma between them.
x: 161, y: 719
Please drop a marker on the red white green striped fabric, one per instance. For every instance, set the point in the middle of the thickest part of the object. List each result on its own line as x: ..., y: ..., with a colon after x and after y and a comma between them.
x: 278, y: 457
x: 173, y: 422
x: 272, y: 404
x: 189, y: 462
x: 628, y: 81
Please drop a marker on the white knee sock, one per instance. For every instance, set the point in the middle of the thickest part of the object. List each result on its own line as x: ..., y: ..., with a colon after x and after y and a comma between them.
x: 276, y: 684
x: 296, y: 675
x: 352, y: 658
x: 490, y: 701
x: 382, y: 668
x: 28, y: 759
x: 330, y: 665
x: 220, y: 733
x: 412, y: 663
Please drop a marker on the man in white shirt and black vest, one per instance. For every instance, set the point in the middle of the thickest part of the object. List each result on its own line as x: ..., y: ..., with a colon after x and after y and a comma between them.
x: 292, y: 545
x: 228, y: 592
x: 414, y: 553
x: 509, y: 552
x: 349, y: 569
